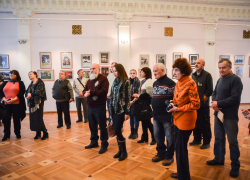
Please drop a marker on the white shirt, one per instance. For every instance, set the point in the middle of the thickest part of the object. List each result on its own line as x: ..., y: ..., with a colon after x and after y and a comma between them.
x: 78, y: 87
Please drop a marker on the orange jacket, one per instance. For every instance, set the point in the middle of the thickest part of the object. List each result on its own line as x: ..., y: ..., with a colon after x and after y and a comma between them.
x: 187, y: 99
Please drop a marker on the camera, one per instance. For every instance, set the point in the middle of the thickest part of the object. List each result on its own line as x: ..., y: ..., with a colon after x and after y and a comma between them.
x: 169, y: 105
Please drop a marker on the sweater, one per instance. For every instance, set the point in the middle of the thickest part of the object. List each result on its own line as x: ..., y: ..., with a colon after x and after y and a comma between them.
x: 98, y: 91
x: 227, y: 93
x: 187, y: 100
x: 11, y: 90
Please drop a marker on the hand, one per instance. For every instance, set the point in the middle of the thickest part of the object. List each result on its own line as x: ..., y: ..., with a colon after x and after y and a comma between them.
x: 214, y: 104
x: 131, y: 102
x: 108, y: 95
x: 126, y: 117
x: 11, y: 101
x: 205, y: 98
x: 216, y: 109
x: 28, y: 96
x: 135, y: 95
x: 80, y: 94
x: 174, y: 109
x: 71, y: 100
x: 87, y: 94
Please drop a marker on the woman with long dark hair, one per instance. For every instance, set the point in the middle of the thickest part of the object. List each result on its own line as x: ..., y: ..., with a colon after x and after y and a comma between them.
x: 36, y: 95
x: 12, y: 93
x: 119, y: 107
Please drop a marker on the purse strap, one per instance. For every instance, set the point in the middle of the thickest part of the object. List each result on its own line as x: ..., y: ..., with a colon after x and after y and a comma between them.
x: 80, y: 82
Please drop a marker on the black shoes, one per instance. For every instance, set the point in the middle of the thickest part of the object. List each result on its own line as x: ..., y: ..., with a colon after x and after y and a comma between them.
x: 18, y: 136
x: 91, y: 145
x: 132, y: 133
x: 102, y: 150
x: 174, y: 175
x: 135, y: 136
x: 59, y: 126
x: 45, y: 135
x: 38, y: 135
x: 194, y: 143
x: 86, y: 121
x: 142, y: 140
x: 68, y: 127
x: 205, y: 146
x: 214, y: 163
x: 6, y: 137
x: 79, y: 121
x: 234, y: 172
x: 153, y: 142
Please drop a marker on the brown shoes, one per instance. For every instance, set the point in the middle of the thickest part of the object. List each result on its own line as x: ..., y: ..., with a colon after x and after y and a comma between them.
x: 157, y: 158
x: 167, y: 162
x: 174, y: 175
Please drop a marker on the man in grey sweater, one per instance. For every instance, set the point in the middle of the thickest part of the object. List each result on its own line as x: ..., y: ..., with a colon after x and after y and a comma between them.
x: 226, y: 101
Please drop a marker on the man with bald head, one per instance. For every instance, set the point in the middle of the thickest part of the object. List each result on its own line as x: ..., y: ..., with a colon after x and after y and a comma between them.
x: 204, y: 84
x: 96, y: 91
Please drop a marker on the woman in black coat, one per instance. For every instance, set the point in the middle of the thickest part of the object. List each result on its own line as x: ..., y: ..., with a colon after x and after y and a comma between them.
x: 12, y: 93
x: 36, y: 95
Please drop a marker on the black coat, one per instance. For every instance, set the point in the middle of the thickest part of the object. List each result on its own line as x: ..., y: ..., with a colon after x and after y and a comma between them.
x: 20, y: 96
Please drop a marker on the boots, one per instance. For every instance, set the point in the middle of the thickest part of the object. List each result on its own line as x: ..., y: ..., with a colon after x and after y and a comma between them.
x: 38, y: 135
x: 131, y: 134
x: 124, y: 153
x: 45, y: 135
x: 135, y: 134
x: 120, y: 150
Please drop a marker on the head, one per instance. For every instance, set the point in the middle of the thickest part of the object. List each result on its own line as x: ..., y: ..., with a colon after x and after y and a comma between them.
x: 66, y: 58
x: 199, y: 64
x: 62, y: 75
x: 181, y: 68
x: 120, y: 72
x: 94, y: 71
x: 112, y: 66
x: 159, y: 70
x: 133, y: 73
x: 14, y: 75
x: 33, y: 75
x: 225, y: 66
x: 80, y: 73
x: 146, y: 73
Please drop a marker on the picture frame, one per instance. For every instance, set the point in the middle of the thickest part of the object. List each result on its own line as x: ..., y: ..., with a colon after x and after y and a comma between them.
x: 224, y: 57
x: 161, y: 58
x: 105, y: 70
x: 177, y: 55
x: 193, y: 58
x: 239, y: 59
x: 238, y: 71
x: 144, y: 60
x: 86, y: 73
x: 66, y: 60
x: 4, y: 61
x: 104, y: 58
x: 46, y: 75
x: 45, y: 60
x: 69, y: 74
x: 86, y: 60
x: 5, y: 74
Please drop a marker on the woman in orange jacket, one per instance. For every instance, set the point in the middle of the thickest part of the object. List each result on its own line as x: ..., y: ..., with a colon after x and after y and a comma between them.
x: 186, y: 101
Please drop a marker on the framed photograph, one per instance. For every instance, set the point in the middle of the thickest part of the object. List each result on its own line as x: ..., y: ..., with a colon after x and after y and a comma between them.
x: 69, y: 74
x: 45, y: 60
x: 177, y: 55
x: 239, y: 71
x: 5, y: 74
x: 104, y: 58
x: 86, y: 73
x: 144, y: 60
x: 224, y: 57
x: 46, y: 75
x: 161, y: 58
x: 86, y: 60
x: 193, y: 58
x: 105, y: 70
x: 4, y: 61
x: 239, y: 60
x: 66, y: 60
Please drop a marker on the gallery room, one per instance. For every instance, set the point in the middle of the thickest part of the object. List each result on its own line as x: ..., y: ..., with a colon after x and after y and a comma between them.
x: 54, y: 36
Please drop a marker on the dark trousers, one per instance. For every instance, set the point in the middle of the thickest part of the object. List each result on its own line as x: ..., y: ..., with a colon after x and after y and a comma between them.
x: 108, y: 102
x: 147, y: 124
x: 134, y: 124
x: 12, y: 110
x: 118, y: 120
x: 63, y: 107
x: 203, y: 127
x: 98, y: 116
x: 82, y: 102
x: 182, y: 137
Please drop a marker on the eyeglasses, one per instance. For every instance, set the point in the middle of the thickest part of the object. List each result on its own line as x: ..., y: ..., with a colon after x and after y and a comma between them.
x: 12, y: 74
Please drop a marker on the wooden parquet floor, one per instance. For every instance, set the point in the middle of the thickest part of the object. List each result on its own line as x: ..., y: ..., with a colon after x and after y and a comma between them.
x: 63, y: 156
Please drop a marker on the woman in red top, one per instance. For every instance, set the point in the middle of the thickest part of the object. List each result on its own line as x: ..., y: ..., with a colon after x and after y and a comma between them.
x: 12, y: 93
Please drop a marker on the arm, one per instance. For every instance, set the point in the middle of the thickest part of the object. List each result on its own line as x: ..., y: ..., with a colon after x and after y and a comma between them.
x: 209, y: 85
x: 70, y: 89
x: 214, y: 92
x: 2, y: 95
x: 74, y: 87
x: 103, y: 91
x: 21, y: 90
x: 127, y: 98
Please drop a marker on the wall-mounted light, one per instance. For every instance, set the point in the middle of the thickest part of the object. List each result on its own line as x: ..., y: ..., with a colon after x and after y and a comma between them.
x: 117, y: 24
x: 39, y: 22
x: 210, y: 43
x: 22, y: 41
x: 149, y: 25
x: 124, y: 41
x: 216, y: 27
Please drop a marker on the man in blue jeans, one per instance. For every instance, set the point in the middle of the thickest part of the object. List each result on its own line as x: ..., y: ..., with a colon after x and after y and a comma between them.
x: 163, y: 89
x: 226, y: 101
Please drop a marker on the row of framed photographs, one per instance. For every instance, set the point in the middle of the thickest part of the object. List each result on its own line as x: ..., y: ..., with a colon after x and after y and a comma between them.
x: 238, y: 59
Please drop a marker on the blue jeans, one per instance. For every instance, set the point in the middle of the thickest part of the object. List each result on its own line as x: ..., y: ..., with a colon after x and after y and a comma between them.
x: 164, y: 128
x: 108, y: 102
x: 229, y: 127
x: 134, y: 124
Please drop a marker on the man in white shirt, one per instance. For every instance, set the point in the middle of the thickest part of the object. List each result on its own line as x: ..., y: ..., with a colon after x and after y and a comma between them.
x: 78, y: 86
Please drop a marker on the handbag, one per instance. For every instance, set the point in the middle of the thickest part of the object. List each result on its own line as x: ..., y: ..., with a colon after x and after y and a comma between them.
x: 141, y: 110
x: 111, y: 129
x: 2, y: 111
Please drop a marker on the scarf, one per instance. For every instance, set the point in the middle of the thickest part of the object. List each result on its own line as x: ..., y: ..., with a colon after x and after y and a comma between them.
x: 31, y: 102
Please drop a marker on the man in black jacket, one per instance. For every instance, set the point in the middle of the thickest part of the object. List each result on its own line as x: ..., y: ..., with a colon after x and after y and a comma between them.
x: 204, y: 84
x: 63, y: 94
x: 226, y: 101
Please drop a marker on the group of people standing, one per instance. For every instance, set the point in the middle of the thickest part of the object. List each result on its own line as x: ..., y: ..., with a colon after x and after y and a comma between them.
x: 186, y: 109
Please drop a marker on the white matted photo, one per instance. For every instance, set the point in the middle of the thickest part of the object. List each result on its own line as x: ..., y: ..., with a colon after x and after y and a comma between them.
x: 105, y: 70
x: 239, y: 60
x: 104, y: 58
x: 46, y: 75
x: 86, y: 73
x: 224, y: 57
x: 5, y: 74
x: 144, y: 60
x: 66, y: 60
x: 86, y: 60
x: 239, y: 71
x: 4, y: 61
x: 69, y: 74
x: 45, y: 60
x: 161, y: 58
x: 177, y: 55
x: 193, y: 58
